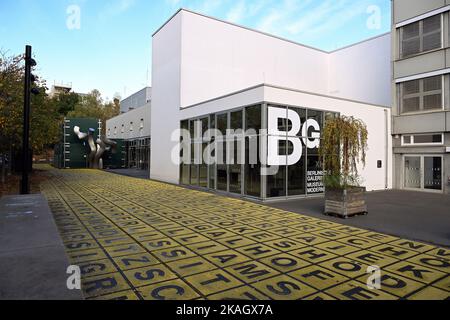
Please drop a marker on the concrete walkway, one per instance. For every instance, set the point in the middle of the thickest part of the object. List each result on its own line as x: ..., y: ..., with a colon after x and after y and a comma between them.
x: 412, y: 215
x: 33, y: 261
x: 141, y: 239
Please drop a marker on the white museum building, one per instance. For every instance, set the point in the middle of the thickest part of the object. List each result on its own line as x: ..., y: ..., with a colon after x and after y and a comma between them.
x: 209, y: 74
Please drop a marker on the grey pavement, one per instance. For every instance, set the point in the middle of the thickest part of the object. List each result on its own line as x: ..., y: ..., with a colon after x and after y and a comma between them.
x: 413, y: 215
x: 33, y: 261
x: 134, y: 173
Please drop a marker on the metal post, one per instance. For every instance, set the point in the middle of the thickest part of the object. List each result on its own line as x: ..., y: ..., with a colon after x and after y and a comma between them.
x: 25, y: 187
x: 3, y: 164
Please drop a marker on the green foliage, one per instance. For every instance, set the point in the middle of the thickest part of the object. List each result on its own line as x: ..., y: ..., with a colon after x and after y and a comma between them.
x: 67, y: 102
x: 343, y: 147
x: 47, y: 113
x: 92, y: 106
x: 44, y: 118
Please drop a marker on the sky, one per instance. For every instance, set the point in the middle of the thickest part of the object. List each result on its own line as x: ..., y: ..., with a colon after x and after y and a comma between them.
x: 106, y: 44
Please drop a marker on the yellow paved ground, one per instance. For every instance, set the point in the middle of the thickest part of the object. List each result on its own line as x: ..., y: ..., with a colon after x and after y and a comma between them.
x: 140, y: 239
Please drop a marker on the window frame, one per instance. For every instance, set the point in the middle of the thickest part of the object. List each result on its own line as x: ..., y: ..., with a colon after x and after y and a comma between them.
x: 421, y: 37
x: 413, y: 143
x: 421, y: 95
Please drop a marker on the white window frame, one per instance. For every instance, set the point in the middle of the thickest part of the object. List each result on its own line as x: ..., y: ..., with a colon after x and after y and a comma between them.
x: 413, y: 144
x: 400, y: 37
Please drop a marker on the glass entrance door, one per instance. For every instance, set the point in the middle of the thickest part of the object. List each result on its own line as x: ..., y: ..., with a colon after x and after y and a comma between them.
x: 423, y: 173
x: 433, y: 173
x: 413, y: 173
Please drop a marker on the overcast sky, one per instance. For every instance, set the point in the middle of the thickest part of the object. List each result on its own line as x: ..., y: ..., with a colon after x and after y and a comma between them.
x: 109, y: 47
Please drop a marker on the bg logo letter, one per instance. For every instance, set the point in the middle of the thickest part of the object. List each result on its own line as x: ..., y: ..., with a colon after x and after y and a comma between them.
x: 275, y: 136
x: 74, y: 280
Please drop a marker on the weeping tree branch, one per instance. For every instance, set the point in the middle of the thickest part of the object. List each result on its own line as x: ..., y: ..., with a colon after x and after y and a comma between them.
x: 343, y: 148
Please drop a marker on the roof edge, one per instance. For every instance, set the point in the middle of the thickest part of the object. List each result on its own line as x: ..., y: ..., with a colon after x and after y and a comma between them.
x: 267, y: 34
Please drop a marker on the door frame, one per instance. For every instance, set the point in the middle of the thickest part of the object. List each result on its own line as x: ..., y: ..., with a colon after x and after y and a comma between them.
x: 422, y: 172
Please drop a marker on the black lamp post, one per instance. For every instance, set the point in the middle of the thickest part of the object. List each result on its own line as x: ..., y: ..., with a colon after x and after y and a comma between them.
x: 29, y: 78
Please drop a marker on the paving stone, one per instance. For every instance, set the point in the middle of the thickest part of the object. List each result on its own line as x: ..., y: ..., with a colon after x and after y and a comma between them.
x: 141, y: 239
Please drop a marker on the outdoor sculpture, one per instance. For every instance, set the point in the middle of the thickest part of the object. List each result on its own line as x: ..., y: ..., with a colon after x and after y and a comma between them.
x: 97, y: 147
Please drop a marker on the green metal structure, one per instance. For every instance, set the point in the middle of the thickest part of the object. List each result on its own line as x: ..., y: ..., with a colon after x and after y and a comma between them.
x: 72, y: 153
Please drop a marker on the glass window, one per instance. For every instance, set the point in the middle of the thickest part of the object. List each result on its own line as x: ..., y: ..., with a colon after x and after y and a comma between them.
x: 421, y: 94
x: 235, y: 164
x: 235, y: 178
x: 433, y: 173
x: 423, y: 139
x: 236, y: 142
x: 185, y: 178
x: 203, y: 176
x: 296, y: 174
x: 212, y: 121
x: 302, y: 116
x: 222, y: 177
x: 421, y: 36
x: 222, y: 123
x: 184, y: 125
x: 194, y: 175
x: 205, y: 126
x: 222, y: 172
x: 318, y: 117
x: 406, y: 139
x: 253, y: 118
x: 252, y: 167
x: 436, y: 138
x: 314, y: 173
x: 212, y: 176
x: 236, y: 120
x: 276, y: 184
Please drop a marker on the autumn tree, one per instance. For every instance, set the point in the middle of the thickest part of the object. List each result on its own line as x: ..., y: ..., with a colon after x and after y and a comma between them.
x: 66, y: 102
x: 93, y: 106
x: 45, y: 118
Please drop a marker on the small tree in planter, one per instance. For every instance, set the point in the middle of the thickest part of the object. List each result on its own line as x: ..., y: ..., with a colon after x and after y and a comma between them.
x: 343, y: 147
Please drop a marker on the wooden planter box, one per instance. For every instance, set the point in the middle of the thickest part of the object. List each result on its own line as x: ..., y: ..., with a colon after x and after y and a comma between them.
x: 346, y: 203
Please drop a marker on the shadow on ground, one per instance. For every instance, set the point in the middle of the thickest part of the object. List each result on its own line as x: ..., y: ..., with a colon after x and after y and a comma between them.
x: 413, y: 215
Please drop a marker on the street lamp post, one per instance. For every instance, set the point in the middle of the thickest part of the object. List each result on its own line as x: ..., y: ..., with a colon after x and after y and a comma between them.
x: 29, y: 62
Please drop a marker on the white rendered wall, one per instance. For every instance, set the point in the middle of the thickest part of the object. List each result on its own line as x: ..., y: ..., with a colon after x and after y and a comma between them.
x: 165, y: 99
x: 362, y: 72
x: 220, y: 58
x: 138, y: 129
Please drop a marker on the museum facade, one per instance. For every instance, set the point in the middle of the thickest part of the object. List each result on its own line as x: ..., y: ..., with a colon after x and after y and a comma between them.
x: 273, y: 95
